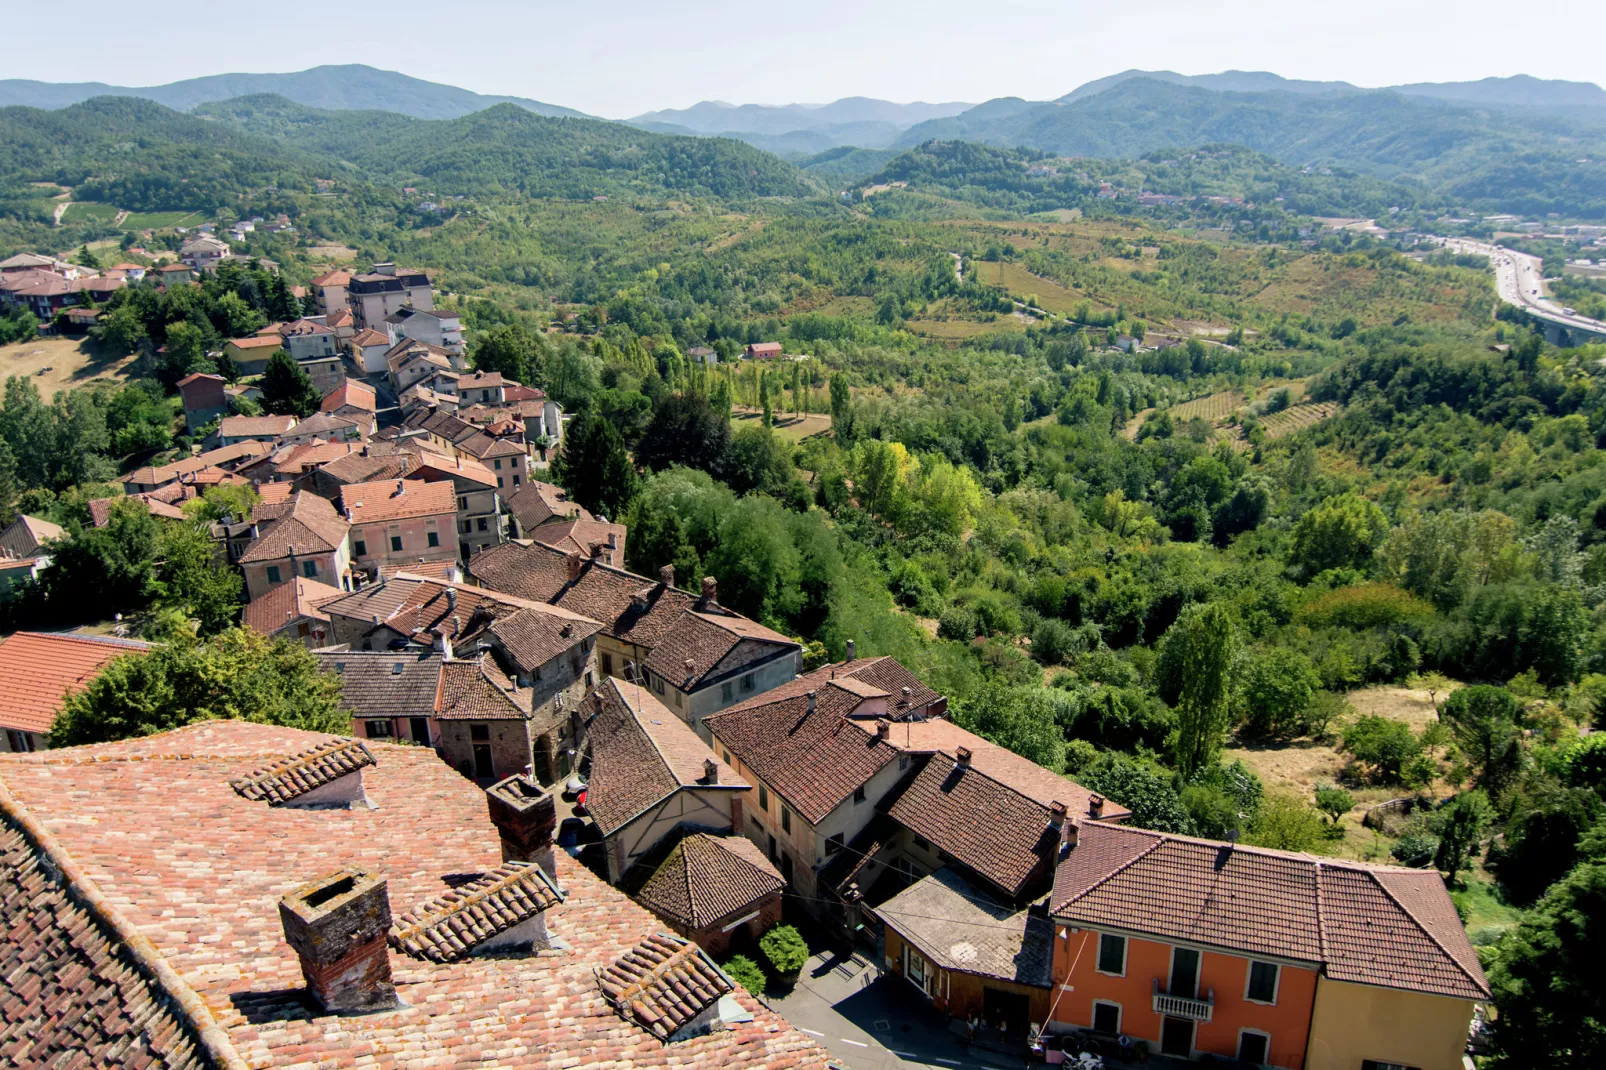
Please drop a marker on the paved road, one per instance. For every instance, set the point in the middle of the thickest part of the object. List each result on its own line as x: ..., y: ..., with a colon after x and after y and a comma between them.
x: 1519, y: 279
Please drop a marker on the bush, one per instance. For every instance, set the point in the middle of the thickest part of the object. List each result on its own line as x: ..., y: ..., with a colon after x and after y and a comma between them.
x: 1286, y: 824
x: 1416, y: 848
x: 958, y: 624
x: 785, y: 948
x: 747, y: 973
x: 1053, y: 641
x: 1325, y: 709
x: 1383, y: 744
x: 1366, y: 605
x: 1275, y: 688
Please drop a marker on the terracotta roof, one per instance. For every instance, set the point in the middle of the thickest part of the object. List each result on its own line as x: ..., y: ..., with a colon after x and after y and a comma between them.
x: 27, y: 534
x: 352, y: 392
x: 476, y: 691
x: 327, y: 423
x: 288, y: 779
x: 641, y: 754
x: 435, y: 465
x: 337, y: 277
x: 576, y: 535
x: 488, y: 445
x: 305, y: 457
x: 257, y: 341
x: 517, y: 392
x: 199, y: 377
x: 183, y: 858
x: 960, y: 928
x: 38, y: 671
x: 536, y: 502
x: 304, y: 327
x: 223, y: 456
x: 374, y: 503
x: 385, y: 684
x: 534, y: 636
x: 255, y: 426
x: 370, y: 337
x: 445, y: 571
x: 288, y: 602
x: 484, y: 381
x: 364, y: 466
x: 663, y: 983
x: 342, y: 317
x: 706, y: 879
x: 1375, y: 925
x: 448, y: 929
x: 309, y: 525
x: 275, y: 493
x: 701, y: 649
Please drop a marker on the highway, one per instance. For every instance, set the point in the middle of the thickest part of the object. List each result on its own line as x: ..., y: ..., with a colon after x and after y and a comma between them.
x: 1519, y: 279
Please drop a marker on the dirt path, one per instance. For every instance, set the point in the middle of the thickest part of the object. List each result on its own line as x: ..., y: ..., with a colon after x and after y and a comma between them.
x: 60, y: 208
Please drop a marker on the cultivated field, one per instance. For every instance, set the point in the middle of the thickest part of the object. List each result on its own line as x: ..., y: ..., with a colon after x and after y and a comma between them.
x: 1051, y: 296
x: 54, y: 364
x: 158, y: 220
x: 786, y: 427
x: 1297, y: 418
x: 88, y: 212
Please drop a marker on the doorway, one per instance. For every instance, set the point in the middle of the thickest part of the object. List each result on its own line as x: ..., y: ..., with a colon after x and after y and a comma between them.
x: 1010, y: 1012
x: 483, y: 769
x: 420, y: 729
x: 1184, y: 973
x: 1176, y: 1037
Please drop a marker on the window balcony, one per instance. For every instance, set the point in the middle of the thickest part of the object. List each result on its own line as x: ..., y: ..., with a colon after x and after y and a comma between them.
x: 1194, y: 1008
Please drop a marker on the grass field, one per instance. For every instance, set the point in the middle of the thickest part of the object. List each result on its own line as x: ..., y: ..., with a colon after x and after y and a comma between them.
x: 89, y: 212
x: 788, y: 427
x: 157, y: 220
x: 957, y: 330
x: 1051, y: 296
x: 54, y: 364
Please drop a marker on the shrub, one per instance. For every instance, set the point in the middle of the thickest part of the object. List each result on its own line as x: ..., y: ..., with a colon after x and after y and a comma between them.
x: 1275, y: 688
x: 1334, y: 802
x: 785, y: 948
x: 747, y: 973
x: 957, y: 623
x: 1383, y: 744
x: 1286, y: 824
x: 1416, y: 848
x: 1325, y: 709
x: 1365, y: 605
x: 1053, y: 641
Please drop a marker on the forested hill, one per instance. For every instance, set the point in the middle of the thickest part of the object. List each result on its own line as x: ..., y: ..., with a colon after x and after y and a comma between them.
x: 511, y: 148
x: 1465, y: 151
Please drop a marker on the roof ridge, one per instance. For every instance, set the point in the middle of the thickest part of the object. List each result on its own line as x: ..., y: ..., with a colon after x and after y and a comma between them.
x: 1397, y: 901
x: 635, y: 716
x: 186, y: 1005
x: 1157, y: 840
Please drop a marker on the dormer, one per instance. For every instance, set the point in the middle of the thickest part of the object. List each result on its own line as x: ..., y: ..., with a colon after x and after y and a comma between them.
x: 501, y: 913
x: 327, y: 777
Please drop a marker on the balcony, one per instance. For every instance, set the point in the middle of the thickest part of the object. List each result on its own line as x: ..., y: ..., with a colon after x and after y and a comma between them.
x: 1198, y: 1010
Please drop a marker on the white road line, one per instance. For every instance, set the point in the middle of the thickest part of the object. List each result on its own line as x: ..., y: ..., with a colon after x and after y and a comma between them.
x: 950, y: 1062
x: 811, y: 1032
x: 855, y: 1043
x: 903, y: 1054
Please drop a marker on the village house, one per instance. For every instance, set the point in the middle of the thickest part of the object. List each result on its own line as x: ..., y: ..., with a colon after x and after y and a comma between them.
x: 327, y: 427
x: 482, y: 388
x: 479, y: 506
x: 329, y: 291
x: 651, y: 778
x: 390, y: 694
x: 314, y: 867
x: 28, y: 537
x: 579, y: 536
x: 149, y: 479
x: 171, y: 275
x: 298, y: 457
x: 203, y: 253
x: 356, y: 399
x: 536, y: 503
x: 251, y: 355
x: 1272, y: 958
x: 385, y: 290
x: 292, y: 611
x: 205, y: 399
x: 368, y: 348
x: 308, y: 539
x: 400, y: 521
x: 763, y: 351
x: 543, y: 665
x: 308, y: 339
x: 409, y: 363
x: 719, y: 892
x: 237, y: 429
x: 434, y: 326
x: 37, y: 673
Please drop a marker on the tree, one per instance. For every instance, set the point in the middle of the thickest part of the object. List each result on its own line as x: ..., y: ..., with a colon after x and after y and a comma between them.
x: 236, y: 675
x: 1204, y: 655
x: 1547, y: 979
x: 1384, y: 744
x: 1485, y: 723
x: 509, y: 348
x: 186, y: 352
x: 287, y: 390
x: 594, y: 467
x: 188, y: 577
x: 841, y: 410
x: 757, y: 460
x: 1286, y: 823
x: 1275, y: 689
x: 685, y: 430
x: 1342, y: 532
x: 96, y: 573
x: 745, y: 972
x: 120, y: 330
x: 1334, y: 801
x: 1025, y: 720
x: 1541, y: 841
x: 1141, y: 789
x: 1460, y: 825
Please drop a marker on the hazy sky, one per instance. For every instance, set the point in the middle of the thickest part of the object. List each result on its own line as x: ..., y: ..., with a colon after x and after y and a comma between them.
x: 630, y: 56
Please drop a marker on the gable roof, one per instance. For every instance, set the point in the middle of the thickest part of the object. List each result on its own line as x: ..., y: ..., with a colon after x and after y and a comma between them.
x: 536, y: 502
x: 234, y: 453
x: 1376, y: 925
x: 153, y: 819
x: 641, y: 754
x: 385, y: 684
x: 705, y: 879
x: 288, y: 602
x: 400, y: 499
x: 960, y: 928
x: 255, y: 341
x: 474, y: 690
x: 577, y: 535
x: 367, y: 337
x: 255, y: 426
x: 663, y: 984
x: 702, y: 648
x: 27, y: 534
x: 309, y: 525
x: 351, y: 392
x: 38, y: 670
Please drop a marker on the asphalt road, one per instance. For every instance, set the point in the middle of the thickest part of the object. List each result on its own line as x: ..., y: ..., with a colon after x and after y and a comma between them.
x: 1519, y: 279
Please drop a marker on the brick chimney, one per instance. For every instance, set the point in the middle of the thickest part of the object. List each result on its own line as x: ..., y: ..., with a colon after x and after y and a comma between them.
x: 882, y: 728
x: 1095, y: 806
x: 525, y: 817
x: 710, y: 591
x: 337, y: 925
x: 576, y: 563
x: 666, y: 576
x: 962, y: 758
x: 1056, y: 814
x: 710, y: 771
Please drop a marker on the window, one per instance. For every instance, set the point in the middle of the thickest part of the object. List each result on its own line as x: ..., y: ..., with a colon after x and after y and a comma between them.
x: 726, y: 755
x: 515, y: 480
x: 679, y: 700
x: 464, y: 527
x: 764, y: 798
x: 858, y: 795
x: 499, y: 481
x: 1112, y: 954
x: 1253, y: 1047
x: 607, y: 664
x: 725, y: 691
x: 786, y: 819
x: 379, y: 730
x: 498, y: 464
x: 395, y: 544
x: 483, y: 525
x: 433, y: 538
x: 273, y: 574
x: 1262, y: 982
x: 309, y: 569
x: 20, y: 742
x: 303, y: 629
x: 751, y: 820
x: 588, y: 679
x: 833, y: 844
x: 462, y: 505
x: 747, y: 682
x: 360, y: 547
x: 658, y: 684
x: 1106, y: 1018
x: 479, y: 732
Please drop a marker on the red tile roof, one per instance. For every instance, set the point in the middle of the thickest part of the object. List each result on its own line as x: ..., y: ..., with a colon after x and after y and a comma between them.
x: 38, y: 671
x: 352, y: 392
x: 575, y: 535
x: 396, y: 499
x: 261, y: 427
x: 706, y: 879
x: 337, y: 277
x: 258, y: 341
x: 288, y: 602
x: 1375, y: 925
x: 370, y: 337
x: 663, y: 983
x: 536, y: 502
x: 286, y: 780
x: 182, y: 857
x: 309, y: 525
x: 701, y: 649
x: 447, y: 929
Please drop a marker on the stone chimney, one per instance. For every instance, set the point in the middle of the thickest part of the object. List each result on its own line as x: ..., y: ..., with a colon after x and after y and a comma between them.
x: 525, y: 817
x: 666, y: 576
x: 710, y: 591
x: 451, y: 599
x: 1056, y: 814
x: 882, y: 728
x: 852, y: 650
x: 962, y: 758
x: 576, y: 563
x: 710, y: 771
x: 1095, y: 806
x: 337, y: 926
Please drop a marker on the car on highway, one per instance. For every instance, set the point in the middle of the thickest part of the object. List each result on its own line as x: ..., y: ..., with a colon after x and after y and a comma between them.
x: 1569, y: 311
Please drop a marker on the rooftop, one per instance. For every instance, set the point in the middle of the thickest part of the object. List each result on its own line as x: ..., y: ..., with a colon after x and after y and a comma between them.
x: 309, y: 525
x: 353, y: 393
x: 289, y: 601
x: 180, y: 871
x: 38, y: 670
x: 385, y: 684
x: 705, y: 879
x: 960, y: 928
x: 255, y: 426
x: 396, y: 499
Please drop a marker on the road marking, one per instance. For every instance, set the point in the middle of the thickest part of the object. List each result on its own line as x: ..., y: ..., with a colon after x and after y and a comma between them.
x: 950, y: 1062
x: 855, y: 1043
x: 811, y: 1032
x: 903, y: 1054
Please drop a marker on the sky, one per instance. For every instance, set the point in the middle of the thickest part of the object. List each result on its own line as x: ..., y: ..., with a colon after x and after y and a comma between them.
x: 629, y: 56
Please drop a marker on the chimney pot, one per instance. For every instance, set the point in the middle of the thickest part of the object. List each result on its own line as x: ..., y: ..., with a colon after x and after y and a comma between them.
x: 710, y: 590
x: 337, y: 925
x: 882, y: 728
x: 1095, y: 805
x: 666, y: 575
x: 852, y: 650
x: 962, y: 757
x: 710, y: 771
x: 525, y: 816
x: 812, y: 699
x: 451, y: 599
x: 1056, y: 814
x: 576, y: 562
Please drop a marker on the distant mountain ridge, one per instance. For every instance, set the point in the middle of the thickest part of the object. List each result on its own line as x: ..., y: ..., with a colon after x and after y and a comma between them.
x: 349, y: 87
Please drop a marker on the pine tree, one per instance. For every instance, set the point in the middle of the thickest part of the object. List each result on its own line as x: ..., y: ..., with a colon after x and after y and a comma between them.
x: 286, y: 389
x: 594, y: 467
